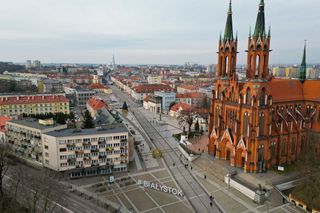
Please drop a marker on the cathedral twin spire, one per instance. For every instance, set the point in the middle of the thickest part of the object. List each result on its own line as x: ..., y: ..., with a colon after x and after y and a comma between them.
x: 228, y: 33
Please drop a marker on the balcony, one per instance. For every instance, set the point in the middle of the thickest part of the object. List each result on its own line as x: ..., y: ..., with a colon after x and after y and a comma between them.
x: 124, y: 140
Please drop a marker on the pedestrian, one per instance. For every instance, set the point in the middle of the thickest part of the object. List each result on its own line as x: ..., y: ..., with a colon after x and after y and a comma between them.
x: 205, y: 177
x: 174, y: 164
x: 191, y: 167
x: 211, y: 204
x: 211, y: 197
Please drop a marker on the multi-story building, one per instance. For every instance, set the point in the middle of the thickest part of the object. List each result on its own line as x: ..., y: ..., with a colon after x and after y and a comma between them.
x: 186, y: 88
x: 14, y: 105
x: 154, y: 79
x: 153, y: 103
x: 50, y: 86
x: 143, y: 90
x: 87, y: 152
x: 95, y: 104
x: 28, y: 64
x: 83, y: 95
x: 261, y: 122
x: 192, y: 98
x: 37, y: 64
x: 100, y: 88
x: 25, y: 137
x: 3, y: 122
x: 167, y: 99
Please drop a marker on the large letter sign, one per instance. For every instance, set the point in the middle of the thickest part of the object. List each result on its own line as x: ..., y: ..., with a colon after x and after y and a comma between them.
x: 161, y: 188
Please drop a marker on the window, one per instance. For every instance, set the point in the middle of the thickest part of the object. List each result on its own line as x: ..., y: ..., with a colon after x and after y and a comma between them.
x: 261, y: 124
x: 273, y: 150
x: 283, y: 148
x: 293, y: 146
x: 216, y: 117
x: 262, y: 98
x: 245, y: 124
x: 248, y: 96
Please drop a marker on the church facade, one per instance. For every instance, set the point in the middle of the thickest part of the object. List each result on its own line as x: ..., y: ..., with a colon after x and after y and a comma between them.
x: 260, y: 122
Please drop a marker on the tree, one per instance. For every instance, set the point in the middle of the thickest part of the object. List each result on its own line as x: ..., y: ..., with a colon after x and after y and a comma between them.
x: 125, y: 106
x: 186, y: 118
x: 3, y: 166
x: 88, y: 121
x: 197, y: 126
x: 309, y: 167
x: 171, y: 105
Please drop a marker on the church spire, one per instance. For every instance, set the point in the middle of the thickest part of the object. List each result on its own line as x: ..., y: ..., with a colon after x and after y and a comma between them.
x: 303, y: 67
x: 228, y: 33
x: 260, y: 23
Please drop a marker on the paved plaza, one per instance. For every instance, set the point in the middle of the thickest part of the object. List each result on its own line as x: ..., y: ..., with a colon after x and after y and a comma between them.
x: 127, y: 193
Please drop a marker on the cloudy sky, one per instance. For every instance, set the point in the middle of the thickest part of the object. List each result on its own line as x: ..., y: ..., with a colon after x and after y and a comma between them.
x: 149, y: 31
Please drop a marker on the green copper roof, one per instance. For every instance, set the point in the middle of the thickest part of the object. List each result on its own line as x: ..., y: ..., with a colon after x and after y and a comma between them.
x: 260, y: 24
x: 228, y: 33
x: 303, y: 67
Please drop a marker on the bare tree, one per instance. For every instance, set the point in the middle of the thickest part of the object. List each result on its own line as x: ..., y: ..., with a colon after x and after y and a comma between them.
x: 186, y: 118
x: 309, y: 167
x: 3, y: 165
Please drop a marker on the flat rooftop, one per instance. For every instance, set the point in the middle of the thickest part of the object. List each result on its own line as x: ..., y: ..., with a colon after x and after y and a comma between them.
x: 33, y: 123
x: 108, y: 129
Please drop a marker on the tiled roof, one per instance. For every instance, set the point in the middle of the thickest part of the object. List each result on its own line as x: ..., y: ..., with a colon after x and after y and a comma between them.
x: 181, y: 106
x: 192, y: 95
x: 286, y: 90
x: 311, y: 90
x: 149, y: 88
x: 97, y: 103
x: 29, y: 99
x: 3, y: 121
x: 98, y: 86
x: 188, y: 87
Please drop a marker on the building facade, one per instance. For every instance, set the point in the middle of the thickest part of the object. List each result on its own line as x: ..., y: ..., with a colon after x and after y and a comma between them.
x: 24, y: 136
x: 87, y: 152
x: 260, y: 122
x: 14, y: 105
x: 83, y: 95
x: 167, y: 99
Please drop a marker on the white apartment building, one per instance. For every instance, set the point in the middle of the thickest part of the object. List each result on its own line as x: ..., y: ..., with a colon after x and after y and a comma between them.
x: 24, y: 136
x: 87, y: 152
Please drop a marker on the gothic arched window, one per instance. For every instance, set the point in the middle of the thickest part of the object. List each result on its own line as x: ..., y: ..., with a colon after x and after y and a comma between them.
x: 283, y: 148
x: 261, y: 124
x: 293, y: 145
x: 262, y: 98
x: 248, y: 96
x: 245, y: 124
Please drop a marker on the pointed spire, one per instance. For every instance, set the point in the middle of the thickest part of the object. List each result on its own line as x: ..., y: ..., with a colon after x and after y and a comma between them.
x: 250, y: 32
x: 303, y: 67
x: 260, y: 23
x: 228, y: 33
x: 220, y: 38
x: 237, y: 35
x: 269, y: 32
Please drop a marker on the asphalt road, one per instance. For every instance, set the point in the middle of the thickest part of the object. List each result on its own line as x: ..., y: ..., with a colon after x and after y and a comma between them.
x: 193, y: 191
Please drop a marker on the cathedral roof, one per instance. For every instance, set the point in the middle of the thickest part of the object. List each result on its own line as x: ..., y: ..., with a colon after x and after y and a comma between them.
x: 311, y: 90
x: 286, y: 90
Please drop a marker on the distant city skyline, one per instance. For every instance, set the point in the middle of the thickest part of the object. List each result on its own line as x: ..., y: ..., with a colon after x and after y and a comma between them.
x: 150, y: 32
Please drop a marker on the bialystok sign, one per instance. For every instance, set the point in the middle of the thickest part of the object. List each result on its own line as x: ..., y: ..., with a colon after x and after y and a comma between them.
x: 161, y: 188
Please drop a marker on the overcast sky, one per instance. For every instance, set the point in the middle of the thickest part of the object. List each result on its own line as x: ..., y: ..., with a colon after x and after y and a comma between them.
x: 150, y: 31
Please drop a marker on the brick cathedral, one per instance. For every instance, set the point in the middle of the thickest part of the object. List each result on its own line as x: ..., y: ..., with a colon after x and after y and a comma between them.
x: 261, y: 121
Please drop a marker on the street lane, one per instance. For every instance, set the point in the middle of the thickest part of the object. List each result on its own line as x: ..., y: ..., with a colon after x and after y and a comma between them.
x: 192, y: 189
